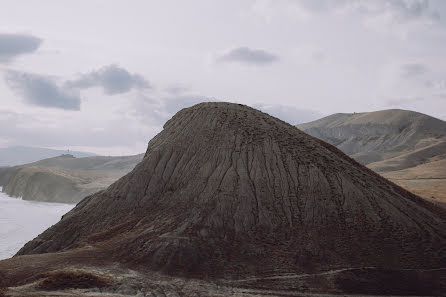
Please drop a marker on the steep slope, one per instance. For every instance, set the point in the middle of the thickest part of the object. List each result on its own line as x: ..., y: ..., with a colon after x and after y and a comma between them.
x: 228, y: 193
x: 391, y: 142
x: 18, y: 155
x: 64, y: 178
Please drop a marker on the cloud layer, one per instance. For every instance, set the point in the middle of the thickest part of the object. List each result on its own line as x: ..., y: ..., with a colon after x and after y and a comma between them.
x: 13, y: 45
x: 376, y: 14
x: 247, y: 55
x: 112, y: 79
x: 412, y: 70
x: 289, y: 114
x: 42, y: 90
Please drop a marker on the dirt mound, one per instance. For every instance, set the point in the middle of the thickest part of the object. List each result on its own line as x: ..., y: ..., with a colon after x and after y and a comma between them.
x: 226, y: 188
x: 228, y: 192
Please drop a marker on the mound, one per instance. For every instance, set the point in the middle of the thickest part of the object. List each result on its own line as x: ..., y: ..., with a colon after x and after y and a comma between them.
x: 228, y: 193
x: 227, y: 189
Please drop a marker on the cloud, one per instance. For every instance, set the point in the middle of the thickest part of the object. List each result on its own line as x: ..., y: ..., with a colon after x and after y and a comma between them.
x: 176, y: 89
x: 13, y: 45
x: 173, y: 104
x: 42, y: 90
x: 412, y: 70
x: 377, y: 14
x: 48, y: 129
x: 289, y: 114
x: 157, y: 110
x: 436, y: 84
x: 398, y: 10
x: 112, y: 79
x: 440, y: 96
x: 404, y: 101
x: 248, y: 56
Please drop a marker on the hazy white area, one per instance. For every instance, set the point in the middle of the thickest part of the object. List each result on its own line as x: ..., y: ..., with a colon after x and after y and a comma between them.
x: 21, y: 221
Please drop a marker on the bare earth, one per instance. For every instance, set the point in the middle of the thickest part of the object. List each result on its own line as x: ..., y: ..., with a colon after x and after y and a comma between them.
x: 229, y: 201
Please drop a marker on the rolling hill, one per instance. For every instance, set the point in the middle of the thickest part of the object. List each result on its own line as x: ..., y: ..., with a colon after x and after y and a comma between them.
x: 64, y: 178
x: 407, y: 147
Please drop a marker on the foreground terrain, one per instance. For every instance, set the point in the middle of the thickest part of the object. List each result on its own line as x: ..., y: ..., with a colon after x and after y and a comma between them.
x: 91, y: 276
x: 229, y: 201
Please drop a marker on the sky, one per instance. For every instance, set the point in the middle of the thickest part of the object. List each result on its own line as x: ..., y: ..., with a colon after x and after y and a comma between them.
x: 103, y: 76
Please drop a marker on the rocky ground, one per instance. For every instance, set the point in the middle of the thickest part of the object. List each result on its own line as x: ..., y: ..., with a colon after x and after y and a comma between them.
x: 104, y: 278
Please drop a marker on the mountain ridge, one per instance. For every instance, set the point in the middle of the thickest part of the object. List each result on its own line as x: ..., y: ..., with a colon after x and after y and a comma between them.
x: 19, y: 155
x: 64, y: 178
x: 358, y: 134
x: 391, y: 142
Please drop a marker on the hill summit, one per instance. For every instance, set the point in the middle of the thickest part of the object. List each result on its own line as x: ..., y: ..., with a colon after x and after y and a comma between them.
x: 228, y: 192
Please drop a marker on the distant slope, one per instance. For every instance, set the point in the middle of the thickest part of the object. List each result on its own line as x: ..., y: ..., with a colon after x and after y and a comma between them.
x: 45, y: 184
x: 65, y: 178
x: 375, y: 136
x: 426, y: 180
x: 18, y: 155
x: 405, y: 146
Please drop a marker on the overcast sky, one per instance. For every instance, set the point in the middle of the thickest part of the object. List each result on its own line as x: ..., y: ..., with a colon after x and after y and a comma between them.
x: 103, y: 75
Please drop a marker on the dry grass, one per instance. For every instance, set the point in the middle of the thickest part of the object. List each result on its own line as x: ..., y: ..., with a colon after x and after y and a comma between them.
x: 427, y: 180
x: 73, y: 279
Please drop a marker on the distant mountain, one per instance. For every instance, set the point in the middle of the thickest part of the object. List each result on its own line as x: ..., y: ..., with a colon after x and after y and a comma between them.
x: 405, y: 146
x: 64, y: 178
x: 17, y: 155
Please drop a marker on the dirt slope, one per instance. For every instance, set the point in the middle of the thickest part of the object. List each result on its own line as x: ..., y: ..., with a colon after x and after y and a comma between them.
x: 230, y: 194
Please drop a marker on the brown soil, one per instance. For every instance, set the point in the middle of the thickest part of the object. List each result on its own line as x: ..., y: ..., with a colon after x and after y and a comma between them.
x: 227, y: 193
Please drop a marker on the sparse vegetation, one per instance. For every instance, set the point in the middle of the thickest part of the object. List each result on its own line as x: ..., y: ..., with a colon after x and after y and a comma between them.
x: 73, y: 279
